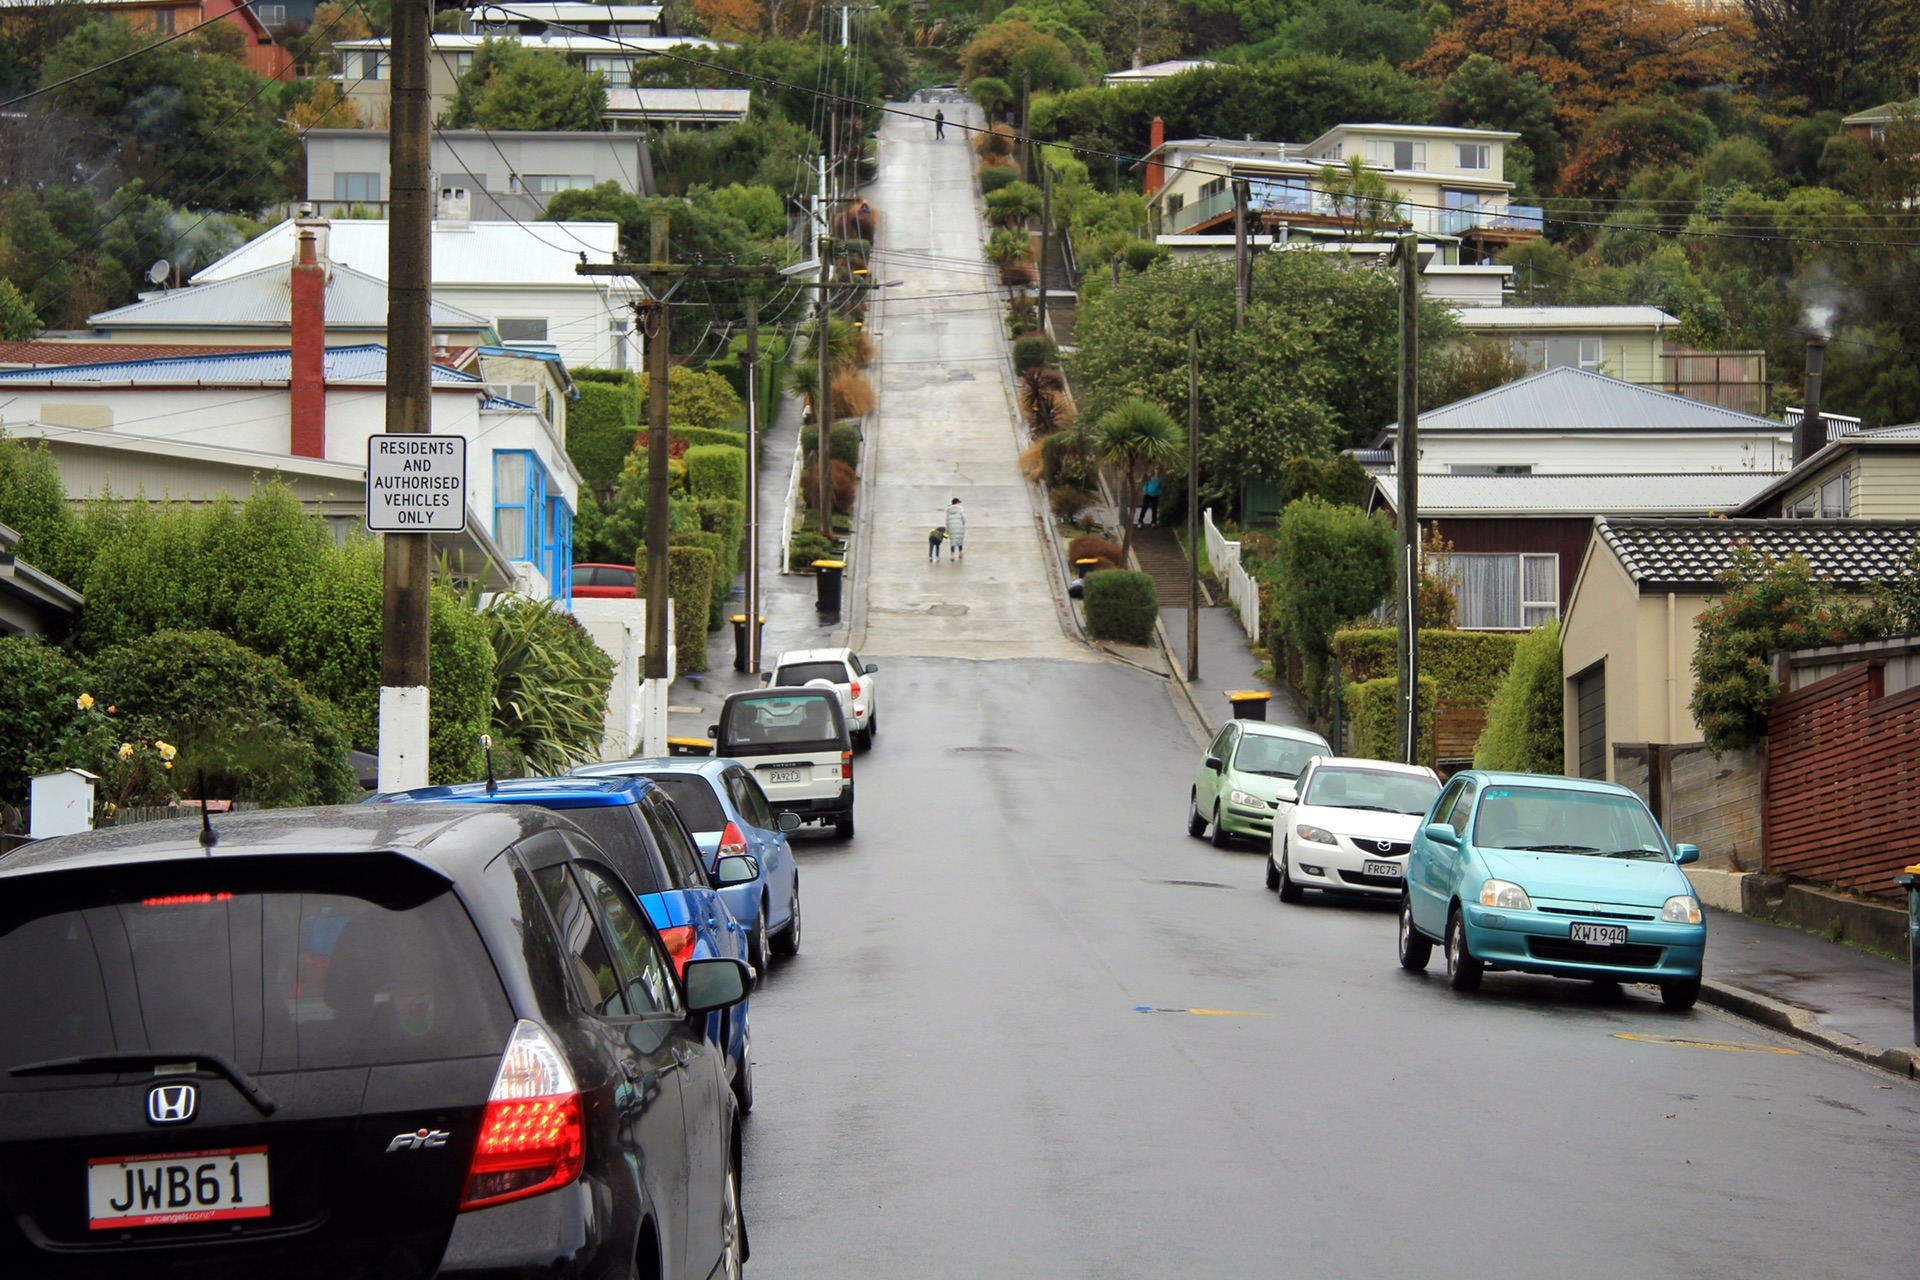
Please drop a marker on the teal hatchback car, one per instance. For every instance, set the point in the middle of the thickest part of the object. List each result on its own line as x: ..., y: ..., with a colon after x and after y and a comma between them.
x: 1551, y: 875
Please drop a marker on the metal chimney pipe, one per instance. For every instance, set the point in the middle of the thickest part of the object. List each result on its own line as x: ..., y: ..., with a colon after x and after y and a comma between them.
x: 1811, y: 435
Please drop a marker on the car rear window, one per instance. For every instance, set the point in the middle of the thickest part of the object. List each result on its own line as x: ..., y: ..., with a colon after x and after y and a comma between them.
x: 616, y: 829
x: 281, y: 978
x: 693, y: 796
x: 801, y: 672
x: 781, y: 722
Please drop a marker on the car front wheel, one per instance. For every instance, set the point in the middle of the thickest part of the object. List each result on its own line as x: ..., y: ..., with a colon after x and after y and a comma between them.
x: 1289, y: 890
x: 1681, y: 994
x: 1196, y: 825
x: 1415, y: 947
x: 757, y: 949
x: 787, y: 941
x: 1273, y: 874
x: 733, y: 1227
x: 1222, y: 838
x: 1463, y: 971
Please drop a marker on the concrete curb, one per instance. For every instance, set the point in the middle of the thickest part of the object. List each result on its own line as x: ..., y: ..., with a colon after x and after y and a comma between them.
x: 1799, y: 1022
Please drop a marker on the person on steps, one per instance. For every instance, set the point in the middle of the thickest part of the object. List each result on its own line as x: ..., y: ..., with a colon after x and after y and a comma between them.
x: 1150, y: 499
x: 956, y: 529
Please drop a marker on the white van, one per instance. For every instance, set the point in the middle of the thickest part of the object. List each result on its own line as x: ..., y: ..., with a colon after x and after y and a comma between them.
x: 796, y: 742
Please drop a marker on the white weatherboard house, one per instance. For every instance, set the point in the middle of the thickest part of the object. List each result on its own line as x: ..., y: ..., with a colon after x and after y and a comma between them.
x: 520, y: 276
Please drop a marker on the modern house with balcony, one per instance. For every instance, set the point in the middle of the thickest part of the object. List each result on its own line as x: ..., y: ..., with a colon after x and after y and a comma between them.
x: 508, y: 175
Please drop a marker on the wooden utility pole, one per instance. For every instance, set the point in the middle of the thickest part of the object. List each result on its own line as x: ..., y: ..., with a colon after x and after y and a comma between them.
x: 1407, y: 460
x: 657, y: 324
x: 823, y: 399
x: 408, y: 557
x: 1242, y: 263
x: 1193, y: 505
x: 752, y: 363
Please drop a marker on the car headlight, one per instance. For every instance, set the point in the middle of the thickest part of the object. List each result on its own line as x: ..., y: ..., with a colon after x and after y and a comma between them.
x: 1504, y: 893
x: 1315, y: 835
x: 1250, y: 801
x: 1682, y: 908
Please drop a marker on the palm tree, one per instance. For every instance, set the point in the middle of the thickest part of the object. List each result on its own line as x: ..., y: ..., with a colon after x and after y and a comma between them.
x: 1136, y: 433
x: 1007, y: 247
x: 1013, y: 205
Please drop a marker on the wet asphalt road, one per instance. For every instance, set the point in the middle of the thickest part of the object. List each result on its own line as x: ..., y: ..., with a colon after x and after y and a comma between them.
x: 954, y: 1080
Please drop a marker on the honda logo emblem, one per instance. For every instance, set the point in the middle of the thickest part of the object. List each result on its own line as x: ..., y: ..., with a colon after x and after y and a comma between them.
x: 171, y: 1103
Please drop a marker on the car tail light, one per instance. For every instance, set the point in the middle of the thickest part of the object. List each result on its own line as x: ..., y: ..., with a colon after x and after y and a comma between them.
x: 846, y: 764
x: 532, y: 1138
x: 679, y: 943
x: 732, y: 843
x: 856, y: 688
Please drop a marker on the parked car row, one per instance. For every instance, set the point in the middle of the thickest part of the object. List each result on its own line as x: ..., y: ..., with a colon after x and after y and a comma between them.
x: 1550, y: 875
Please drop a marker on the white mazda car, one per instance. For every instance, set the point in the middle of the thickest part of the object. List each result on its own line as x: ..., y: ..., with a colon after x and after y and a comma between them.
x: 1352, y: 828
x: 841, y: 668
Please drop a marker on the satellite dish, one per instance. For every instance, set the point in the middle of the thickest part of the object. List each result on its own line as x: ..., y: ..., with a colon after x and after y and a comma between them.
x: 159, y: 271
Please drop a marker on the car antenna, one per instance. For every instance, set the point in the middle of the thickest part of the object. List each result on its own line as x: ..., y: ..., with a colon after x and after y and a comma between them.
x: 208, y: 837
x: 486, y: 748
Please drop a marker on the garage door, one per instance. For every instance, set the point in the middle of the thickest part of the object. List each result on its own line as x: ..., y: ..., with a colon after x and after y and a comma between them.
x: 1590, y: 698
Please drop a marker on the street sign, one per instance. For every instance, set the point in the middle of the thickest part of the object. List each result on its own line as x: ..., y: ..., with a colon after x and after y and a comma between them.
x: 416, y: 483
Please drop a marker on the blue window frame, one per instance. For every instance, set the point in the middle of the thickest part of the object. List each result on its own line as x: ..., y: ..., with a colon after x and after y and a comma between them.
x: 529, y: 523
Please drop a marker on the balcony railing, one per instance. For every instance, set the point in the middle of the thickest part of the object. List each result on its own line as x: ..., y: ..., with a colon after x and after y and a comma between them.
x: 1298, y: 200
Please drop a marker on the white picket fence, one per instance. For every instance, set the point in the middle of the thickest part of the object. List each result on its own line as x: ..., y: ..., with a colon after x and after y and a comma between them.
x: 1243, y: 593
x: 790, y: 509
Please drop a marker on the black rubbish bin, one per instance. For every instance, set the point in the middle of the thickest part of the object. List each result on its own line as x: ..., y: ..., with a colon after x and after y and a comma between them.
x: 1249, y: 704
x: 827, y: 586
x: 739, y: 621
x: 1910, y: 881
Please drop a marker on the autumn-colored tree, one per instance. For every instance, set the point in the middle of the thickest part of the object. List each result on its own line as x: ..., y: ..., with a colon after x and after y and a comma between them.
x: 1631, y: 137
x: 326, y: 109
x: 728, y: 19
x: 1594, y: 53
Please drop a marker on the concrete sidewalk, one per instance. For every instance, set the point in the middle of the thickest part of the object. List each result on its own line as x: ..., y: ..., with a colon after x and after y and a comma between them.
x: 1226, y: 663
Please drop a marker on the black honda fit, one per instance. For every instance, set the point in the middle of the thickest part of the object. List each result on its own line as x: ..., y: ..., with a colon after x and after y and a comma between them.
x: 381, y: 1041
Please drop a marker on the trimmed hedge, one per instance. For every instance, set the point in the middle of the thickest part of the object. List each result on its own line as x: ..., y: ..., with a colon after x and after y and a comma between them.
x: 717, y: 471
x: 721, y: 587
x: 690, y: 586
x: 696, y: 436
x: 773, y: 372
x: 843, y: 444
x: 601, y: 424
x: 1466, y: 666
x: 1524, y: 722
x: 727, y: 518
x: 1032, y: 352
x: 995, y: 176
x: 1121, y: 605
x: 1373, y: 722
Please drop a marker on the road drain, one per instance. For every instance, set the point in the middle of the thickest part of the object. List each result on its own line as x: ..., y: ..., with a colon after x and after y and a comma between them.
x: 1194, y: 884
x: 1001, y: 750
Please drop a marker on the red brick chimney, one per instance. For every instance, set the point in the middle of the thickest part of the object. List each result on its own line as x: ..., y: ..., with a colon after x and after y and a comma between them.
x: 1156, y: 171
x: 308, y: 437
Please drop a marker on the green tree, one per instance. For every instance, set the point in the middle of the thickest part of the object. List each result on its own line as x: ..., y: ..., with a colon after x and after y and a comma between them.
x: 511, y: 85
x: 757, y: 208
x: 1361, y: 196
x: 1137, y: 434
x: 1485, y: 94
x: 1525, y: 722
x: 33, y: 503
x: 992, y: 93
x: 18, y: 323
x: 701, y: 399
x: 1333, y: 564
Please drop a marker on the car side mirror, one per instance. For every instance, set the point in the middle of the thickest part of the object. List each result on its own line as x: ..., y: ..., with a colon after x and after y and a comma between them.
x: 1213, y: 763
x: 872, y: 667
x: 1441, y: 833
x: 718, y: 983
x: 766, y: 677
x: 713, y: 731
x: 788, y: 821
x: 1685, y: 853
x: 739, y: 868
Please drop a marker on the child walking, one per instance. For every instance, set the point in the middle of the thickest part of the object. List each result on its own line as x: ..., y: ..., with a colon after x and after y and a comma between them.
x: 934, y: 537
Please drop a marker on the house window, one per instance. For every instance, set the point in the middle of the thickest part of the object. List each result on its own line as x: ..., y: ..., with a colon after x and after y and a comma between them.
x: 617, y: 332
x: 462, y: 62
x: 547, y: 183
x: 530, y: 522
x: 1490, y: 469
x: 357, y: 187
x: 1473, y: 155
x: 513, y: 491
x: 1210, y: 189
x: 1552, y: 353
x: 163, y: 21
x: 1398, y: 155
x: 367, y: 65
x: 618, y: 71
x: 1830, y: 500
x: 521, y: 329
x: 1504, y: 592
x: 271, y: 15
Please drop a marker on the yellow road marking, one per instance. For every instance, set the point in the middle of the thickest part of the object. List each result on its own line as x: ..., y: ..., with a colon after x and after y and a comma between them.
x: 1228, y: 1013
x: 1688, y: 1042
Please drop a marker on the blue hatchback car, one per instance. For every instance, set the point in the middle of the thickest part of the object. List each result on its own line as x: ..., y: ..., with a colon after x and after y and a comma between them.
x: 1551, y: 875
x: 644, y: 837
x: 728, y: 814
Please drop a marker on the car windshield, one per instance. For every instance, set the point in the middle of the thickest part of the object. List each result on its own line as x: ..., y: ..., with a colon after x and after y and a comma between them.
x: 780, y: 722
x: 1371, y: 789
x: 693, y: 796
x: 800, y: 672
x: 1550, y: 820
x: 1275, y: 756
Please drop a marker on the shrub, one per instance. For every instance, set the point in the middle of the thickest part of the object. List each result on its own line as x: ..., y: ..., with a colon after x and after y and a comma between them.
x: 701, y: 398
x: 690, y: 585
x: 717, y: 471
x: 1525, y: 729
x: 852, y: 394
x: 1142, y: 254
x: 460, y: 673
x: 843, y: 444
x: 727, y: 518
x: 1466, y: 666
x: 1066, y: 502
x: 601, y: 425
x: 33, y: 503
x: 1121, y: 605
x: 995, y: 143
x: 1044, y: 401
x: 806, y: 548
x: 1087, y: 546
x: 1332, y: 564
x: 1338, y: 480
x: 1373, y: 725
x: 1032, y: 353
x: 845, y: 485
x: 38, y: 685
x: 1032, y: 461
x: 994, y: 176
x: 550, y: 683
x: 236, y: 714
x: 1069, y: 459
x: 721, y: 588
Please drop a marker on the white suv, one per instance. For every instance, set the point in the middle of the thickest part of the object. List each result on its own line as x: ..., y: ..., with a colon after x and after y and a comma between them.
x: 842, y: 669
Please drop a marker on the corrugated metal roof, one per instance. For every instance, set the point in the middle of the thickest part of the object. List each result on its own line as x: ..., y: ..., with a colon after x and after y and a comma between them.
x: 1676, y: 553
x: 478, y: 253
x: 1567, y: 399
x: 679, y: 102
x: 1566, y: 317
x: 1580, y: 495
x: 366, y: 365
x: 263, y: 299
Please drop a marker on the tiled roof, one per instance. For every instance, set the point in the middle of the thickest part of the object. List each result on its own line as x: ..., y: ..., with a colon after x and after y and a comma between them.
x: 263, y: 299
x: 1584, y: 495
x: 365, y: 365
x: 1693, y: 552
x: 1569, y: 399
x: 80, y: 352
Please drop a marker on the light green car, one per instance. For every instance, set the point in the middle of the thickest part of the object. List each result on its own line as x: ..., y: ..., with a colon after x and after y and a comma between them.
x: 1247, y: 774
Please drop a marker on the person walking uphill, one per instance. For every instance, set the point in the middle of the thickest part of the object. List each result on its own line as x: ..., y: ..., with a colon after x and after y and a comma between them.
x: 939, y: 123
x: 1150, y: 499
x: 956, y: 529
